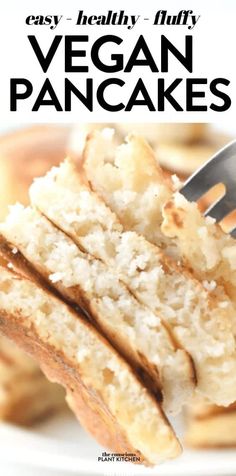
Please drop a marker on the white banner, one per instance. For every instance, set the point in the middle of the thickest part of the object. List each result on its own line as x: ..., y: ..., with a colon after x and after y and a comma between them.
x: 118, y: 61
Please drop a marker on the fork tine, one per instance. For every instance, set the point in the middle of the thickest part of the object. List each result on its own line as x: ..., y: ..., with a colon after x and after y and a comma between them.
x: 209, y: 174
x: 197, y: 186
x: 221, y: 209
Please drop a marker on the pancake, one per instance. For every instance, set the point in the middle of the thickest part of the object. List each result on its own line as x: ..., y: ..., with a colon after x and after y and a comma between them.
x: 200, y: 321
x: 71, y: 205
x: 210, y: 426
x: 134, y: 186
x: 73, y: 354
x: 168, y: 133
x: 133, y: 328
x: 185, y: 158
x: 25, y: 394
x: 25, y: 154
x: 191, y: 313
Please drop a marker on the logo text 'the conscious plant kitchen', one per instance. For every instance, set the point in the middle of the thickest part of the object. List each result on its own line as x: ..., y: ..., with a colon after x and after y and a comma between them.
x: 108, y: 71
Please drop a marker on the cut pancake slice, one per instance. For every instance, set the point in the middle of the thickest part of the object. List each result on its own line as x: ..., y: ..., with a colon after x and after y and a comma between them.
x: 136, y: 189
x: 26, y: 396
x: 200, y: 321
x: 133, y: 328
x: 101, y: 386
x: 130, y: 181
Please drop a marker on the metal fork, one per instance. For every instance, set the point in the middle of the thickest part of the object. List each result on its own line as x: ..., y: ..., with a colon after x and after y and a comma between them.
x: 221, y: 168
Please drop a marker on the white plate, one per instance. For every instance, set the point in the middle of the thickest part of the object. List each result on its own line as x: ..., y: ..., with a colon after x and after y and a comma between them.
x: 61, y: 445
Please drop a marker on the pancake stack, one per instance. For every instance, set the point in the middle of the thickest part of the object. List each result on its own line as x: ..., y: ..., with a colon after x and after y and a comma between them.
x: 197, y: 242
x: 113, y: 303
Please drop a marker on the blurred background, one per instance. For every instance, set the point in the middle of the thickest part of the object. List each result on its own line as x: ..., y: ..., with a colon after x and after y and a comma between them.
x: 26, y: 397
